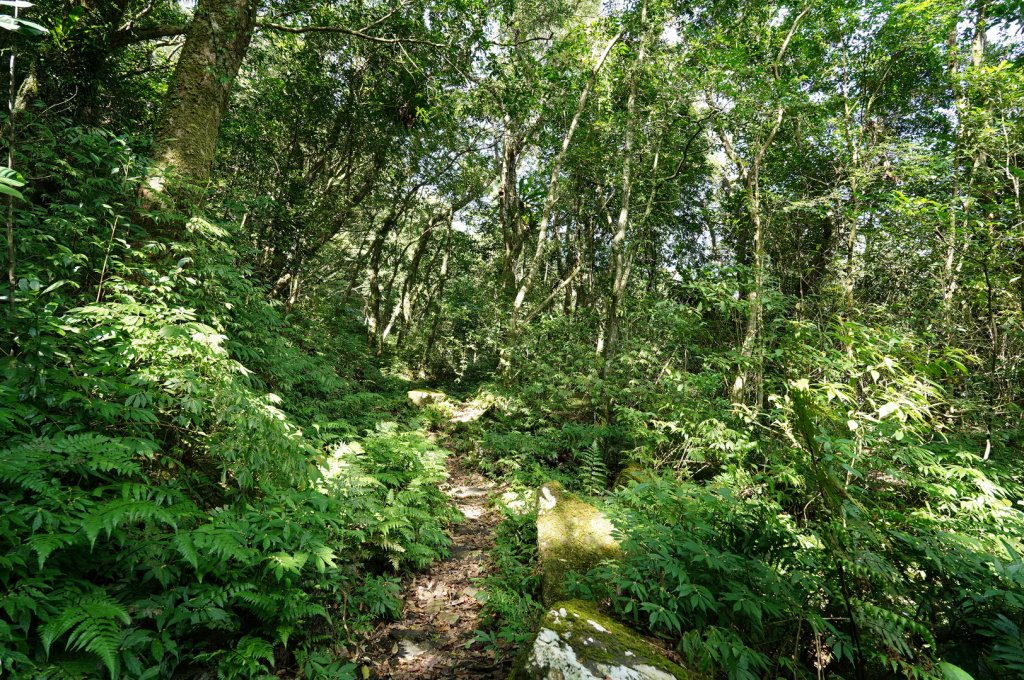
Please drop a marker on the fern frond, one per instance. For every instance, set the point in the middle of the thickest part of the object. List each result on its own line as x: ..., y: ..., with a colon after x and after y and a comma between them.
x: 45, y: 544
x: 94, y: 622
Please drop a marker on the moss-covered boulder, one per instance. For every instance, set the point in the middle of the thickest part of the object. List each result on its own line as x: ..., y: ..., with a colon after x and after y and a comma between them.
x: 473, y: 410
x: 422, y: 398
x: 572, y: 535
x: 576, y: 642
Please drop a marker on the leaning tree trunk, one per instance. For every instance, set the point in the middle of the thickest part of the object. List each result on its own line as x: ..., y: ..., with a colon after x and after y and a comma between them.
x: 552, y: 194
x: 409, y: 286
x: 215, y: 45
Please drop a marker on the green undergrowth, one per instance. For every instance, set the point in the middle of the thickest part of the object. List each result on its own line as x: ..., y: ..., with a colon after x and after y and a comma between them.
x: 193, y: 483
x: 860, y: 515
x: 735, y: 583
x: 511, y: 591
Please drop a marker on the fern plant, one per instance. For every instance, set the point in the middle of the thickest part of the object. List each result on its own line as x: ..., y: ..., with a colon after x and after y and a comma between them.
x: 166, y: 505
x: 92, y: 622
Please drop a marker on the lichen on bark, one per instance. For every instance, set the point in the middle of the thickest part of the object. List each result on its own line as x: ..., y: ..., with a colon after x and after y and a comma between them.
x: 197, y: 97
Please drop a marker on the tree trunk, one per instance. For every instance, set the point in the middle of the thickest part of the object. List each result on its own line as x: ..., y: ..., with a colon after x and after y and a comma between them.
x: 215, y: 45
x: 755, y: 309
x: 509, y: 205
x: 438, y: 299
x: 961, y: 189
x: 552, y: 193
x: 853, y: 211
x: 751, y: 175
x: 403, y: 308
x: 374, y: 326
x: 620, y: 256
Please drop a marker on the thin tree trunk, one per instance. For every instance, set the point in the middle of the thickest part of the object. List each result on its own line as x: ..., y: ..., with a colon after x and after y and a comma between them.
x: 961, y: 189
x: 552, y: 193
x: 403, y: 308
x: 12, y: 278
x: 438, y: 299
x: 755, y: 305
x: 620, y: 255
x: 751, y: 175
x: 356, y: 268
x: 373, y: 314
x: 508, y: 206
x: 853, y: 214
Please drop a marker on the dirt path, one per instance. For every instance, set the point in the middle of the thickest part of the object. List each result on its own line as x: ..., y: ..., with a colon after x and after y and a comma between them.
x: 441, y: 612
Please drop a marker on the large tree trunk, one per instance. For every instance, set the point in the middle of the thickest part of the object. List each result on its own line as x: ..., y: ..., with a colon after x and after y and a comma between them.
x: 215, y: 45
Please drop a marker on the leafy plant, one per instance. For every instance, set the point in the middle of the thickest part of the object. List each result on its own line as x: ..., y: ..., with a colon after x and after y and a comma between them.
x: 511, y: 591
x: 165, y: 512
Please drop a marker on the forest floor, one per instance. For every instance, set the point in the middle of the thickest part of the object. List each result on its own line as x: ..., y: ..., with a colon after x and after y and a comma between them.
x: 435, y: 638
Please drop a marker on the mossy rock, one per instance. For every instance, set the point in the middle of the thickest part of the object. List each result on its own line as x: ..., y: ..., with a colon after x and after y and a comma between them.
x: 572, y: 536
x: 576, y: 642
x: 474, y: 409
x: 423, y: 398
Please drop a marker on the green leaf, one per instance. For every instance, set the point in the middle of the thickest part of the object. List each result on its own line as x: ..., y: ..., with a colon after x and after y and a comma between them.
x: 952, y: 672
x: 183, y: 543
x: 8, y: 191
x: 19, y: 25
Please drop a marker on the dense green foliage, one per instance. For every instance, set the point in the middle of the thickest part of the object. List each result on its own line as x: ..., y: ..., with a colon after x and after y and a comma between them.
x: 163, y: 511
x: 748, y: 274
x: 755, y: 532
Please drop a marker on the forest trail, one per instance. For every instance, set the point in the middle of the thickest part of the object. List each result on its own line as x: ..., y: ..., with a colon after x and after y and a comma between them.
x: 434, y: 639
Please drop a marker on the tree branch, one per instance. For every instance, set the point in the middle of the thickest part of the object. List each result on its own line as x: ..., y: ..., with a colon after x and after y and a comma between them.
x: 345, y: 31
x: 144, y: 33
x: 558, y: 289
x: 540, y: 38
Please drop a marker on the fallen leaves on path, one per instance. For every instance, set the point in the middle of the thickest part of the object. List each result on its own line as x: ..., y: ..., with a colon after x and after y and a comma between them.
x: 442, y: 614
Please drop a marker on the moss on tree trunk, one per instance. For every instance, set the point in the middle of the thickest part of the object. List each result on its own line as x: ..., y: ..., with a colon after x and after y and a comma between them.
x: 198, y: 94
